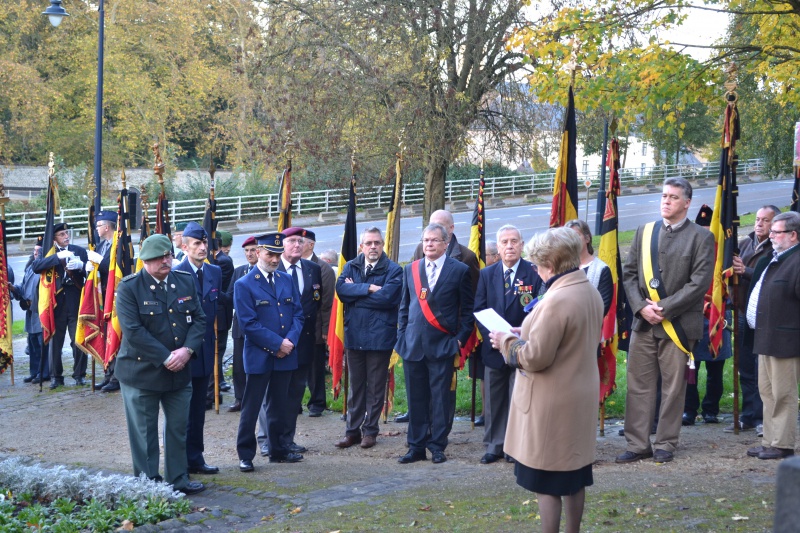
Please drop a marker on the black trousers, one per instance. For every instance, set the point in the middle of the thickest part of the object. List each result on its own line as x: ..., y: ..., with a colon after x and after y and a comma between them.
x: 752, y: 406
x: 316, y: 380
x: 239, y: 377
x: 428, y: 387
x: 297, y: 388
x: 196, y: 422
x: 713, y: 394
x: 274, y: 388
x: 66, y: 319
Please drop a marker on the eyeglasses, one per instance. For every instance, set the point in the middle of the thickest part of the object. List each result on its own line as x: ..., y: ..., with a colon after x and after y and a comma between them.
x: 370, y: 244
x: 781, y: 231
x: 432, y: 241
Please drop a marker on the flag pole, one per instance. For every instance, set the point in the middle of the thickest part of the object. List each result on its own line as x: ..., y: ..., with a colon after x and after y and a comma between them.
x: 92, y: 245
x: 3, y: 201
x: 212, y: 169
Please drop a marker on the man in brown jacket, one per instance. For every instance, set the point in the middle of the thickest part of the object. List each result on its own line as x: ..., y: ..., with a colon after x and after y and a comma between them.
x: 681, y: 274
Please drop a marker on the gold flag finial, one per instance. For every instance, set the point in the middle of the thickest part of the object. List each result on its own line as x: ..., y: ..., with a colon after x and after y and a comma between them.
x: 124, y: 180
x: 730, y: 82
x: 145, y: 200
x: 158, y: 167
x: 289, y: 146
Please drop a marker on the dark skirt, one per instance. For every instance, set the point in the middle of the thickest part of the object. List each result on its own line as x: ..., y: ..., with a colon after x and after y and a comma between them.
x: 551, y: 482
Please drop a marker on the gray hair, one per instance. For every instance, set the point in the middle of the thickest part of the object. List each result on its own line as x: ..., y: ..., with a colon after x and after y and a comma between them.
x: 330, y: 255
x: 437, y: 227
x: 509, y: 227
x: 681, y: 183
x: 585, y: 231
x: 491, y: 248
x: 775, y: 209
x: 557, y: 248
x: 791, y: 221
x: 371, y: 229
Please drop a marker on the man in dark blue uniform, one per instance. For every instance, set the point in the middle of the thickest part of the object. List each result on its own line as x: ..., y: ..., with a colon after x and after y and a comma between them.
x: 239, y: 377
x: 208, y: 279
x: 162, y: 330
x: 267, y: 305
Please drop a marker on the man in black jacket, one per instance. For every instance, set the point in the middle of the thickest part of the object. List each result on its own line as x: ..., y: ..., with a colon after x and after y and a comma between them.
x: 369, y: 287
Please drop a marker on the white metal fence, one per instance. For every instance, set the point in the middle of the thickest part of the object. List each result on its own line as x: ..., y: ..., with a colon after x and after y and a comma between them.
x: 240, y: 208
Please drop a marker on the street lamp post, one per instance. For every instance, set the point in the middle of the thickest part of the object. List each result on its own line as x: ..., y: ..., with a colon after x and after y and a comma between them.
x: 55, y: 13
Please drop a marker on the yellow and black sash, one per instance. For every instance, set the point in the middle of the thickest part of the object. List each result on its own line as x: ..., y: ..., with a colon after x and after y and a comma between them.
x: 655, y: 287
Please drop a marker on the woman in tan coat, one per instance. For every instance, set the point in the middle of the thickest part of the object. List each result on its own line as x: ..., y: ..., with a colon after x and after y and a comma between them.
x: 553, y: 416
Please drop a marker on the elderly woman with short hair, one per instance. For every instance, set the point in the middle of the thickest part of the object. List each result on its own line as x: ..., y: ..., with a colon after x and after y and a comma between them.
x: 553, y: 415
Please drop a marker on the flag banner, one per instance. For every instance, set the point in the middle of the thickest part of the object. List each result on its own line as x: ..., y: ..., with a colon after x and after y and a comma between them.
x: 336, y: 327
x: 90, y: 335
x: 565, y: 187
x: 47, y: 280
x: 144, y: 232
x: 616, y: 323
x: 796, y: 191
x: 477, y: 244
x: 162, y: 215
x: 724, y: 224
x: 285, y: 198
x: 121, y: 265
x: 210, y: 227
x: 6, y: 316
x: 392, y: 246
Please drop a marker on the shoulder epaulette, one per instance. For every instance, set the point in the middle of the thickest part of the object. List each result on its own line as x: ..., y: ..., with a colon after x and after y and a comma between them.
x: 182, y: 272
x: 129, y: 276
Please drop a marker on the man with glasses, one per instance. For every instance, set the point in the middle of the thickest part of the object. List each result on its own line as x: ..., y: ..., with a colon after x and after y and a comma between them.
x: 369, y: 287
x: 163, y: 326
x: 307, y: 278
x: 267, y: 306
x: 239, y: 377
x: 751, y: 249
x: 773, y: 324
x: 69, y: 262
x: 435, y: 320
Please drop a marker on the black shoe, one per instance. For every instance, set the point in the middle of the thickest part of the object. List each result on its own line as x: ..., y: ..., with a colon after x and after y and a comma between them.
x: 265, y: 450
x: 203, y: 469
x: 632, y: 457
x: 79, y: 382
x: 29, y: 379
x: 401, y: 418
x: 113, y: 386
x: 224, y: 387
x: 687, y: 420
x: 621, y: 432
x: 438, y: 457
x: 56, y: 384
x: 479, y: 421
x: 236, y: 407
x: 315, y: 414
x: 662, y: 456
x: 38, y: 380
x: 412, y: 457
x: 296, y: 448
x: 193, y: 487
x: 489, y: 458
x: 246, y: 466
x: 290, y: 457
x: 510, y: 459
x: 102, y: 384
x: 710, y: 419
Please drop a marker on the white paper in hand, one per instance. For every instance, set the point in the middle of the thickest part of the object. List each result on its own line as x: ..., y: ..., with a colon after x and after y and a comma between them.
x: 493, y: 322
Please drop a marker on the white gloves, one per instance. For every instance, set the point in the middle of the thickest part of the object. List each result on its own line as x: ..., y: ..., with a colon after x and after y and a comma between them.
x: 94, y: 257
x: 75, y: 264
x: 89, y: 267
x: 64, y: 254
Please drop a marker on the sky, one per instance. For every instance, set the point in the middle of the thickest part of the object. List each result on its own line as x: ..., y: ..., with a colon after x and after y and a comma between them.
x: 701, y: 28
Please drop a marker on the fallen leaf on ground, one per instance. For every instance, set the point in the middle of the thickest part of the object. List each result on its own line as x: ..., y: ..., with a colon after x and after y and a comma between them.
x: 127, y: 525
x: 738, y: 518
x: 425, y: 508
x: 720, y: 500
x: 390, y: 434
x: 640, y: 512
x: 526, y: 502
x: 296, y: 510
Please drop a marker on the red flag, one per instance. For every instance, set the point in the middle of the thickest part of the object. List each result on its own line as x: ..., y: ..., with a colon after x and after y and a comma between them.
x: 336, y: 328
x: 90, y: 335
x: 47, y: 280
x: 565, y: 187
x: 120, y: 265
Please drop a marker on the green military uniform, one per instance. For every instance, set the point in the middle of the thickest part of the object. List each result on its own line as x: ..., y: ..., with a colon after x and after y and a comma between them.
x: 155, y: 320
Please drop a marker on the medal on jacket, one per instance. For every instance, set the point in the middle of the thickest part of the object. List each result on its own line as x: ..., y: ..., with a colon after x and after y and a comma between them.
x: 654, y: 283
x: 524, y: 292
x: 316, y: 296
x: 423, y: 293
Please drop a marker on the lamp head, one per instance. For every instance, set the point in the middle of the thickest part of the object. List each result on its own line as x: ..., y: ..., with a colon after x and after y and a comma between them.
x: 55, y: 12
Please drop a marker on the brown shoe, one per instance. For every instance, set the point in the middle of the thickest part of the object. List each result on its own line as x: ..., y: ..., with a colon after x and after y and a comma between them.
x: 236, y: 407
x: 368, y: 441
x: 349, y: 440
x: 753, y: 452
x: 776, y: 453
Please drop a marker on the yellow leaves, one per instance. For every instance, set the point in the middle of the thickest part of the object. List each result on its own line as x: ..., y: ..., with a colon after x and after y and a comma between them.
x: 127, y: 525
x: 296, y: 510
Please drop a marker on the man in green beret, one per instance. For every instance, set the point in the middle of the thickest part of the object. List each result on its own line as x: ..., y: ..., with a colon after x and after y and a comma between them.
x: 163, y: 325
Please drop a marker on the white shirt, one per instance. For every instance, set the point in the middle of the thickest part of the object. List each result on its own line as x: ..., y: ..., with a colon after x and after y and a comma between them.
x: 288, y: 266
x: 434, y: 272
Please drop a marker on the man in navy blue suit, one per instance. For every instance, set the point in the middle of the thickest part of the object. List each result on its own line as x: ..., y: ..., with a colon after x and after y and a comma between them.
x: 435, y: 321
x: 208, y: 279
x: 267, y: 305
x: 507, y: 287
x: 307, y: 277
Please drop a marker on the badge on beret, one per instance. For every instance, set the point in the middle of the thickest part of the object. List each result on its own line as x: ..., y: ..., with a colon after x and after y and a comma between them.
x: 423, y: 293
x: 654, y: 283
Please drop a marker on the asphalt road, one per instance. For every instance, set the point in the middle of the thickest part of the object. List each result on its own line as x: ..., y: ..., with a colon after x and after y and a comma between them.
x: 633, y: 211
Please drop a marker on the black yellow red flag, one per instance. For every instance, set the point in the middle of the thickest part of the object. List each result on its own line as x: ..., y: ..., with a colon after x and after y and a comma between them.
x: 121, y: 265
x: 47, y: 280
x: 285, y: 198
x: 6, y: 347
x: 565, y: 186
x: 336, y: 327
x: 90, y: 335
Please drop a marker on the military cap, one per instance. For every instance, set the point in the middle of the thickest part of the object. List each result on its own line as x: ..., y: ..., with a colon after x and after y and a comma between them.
x: 291, y: 232
x: 225, y: 237
x: 61, y: 226
x: 180, y: 226
x: 106, y: 216
x: 704, y: 216
x: 249, y: 241
x: 155, y: 246
x: 194, y: 230
x: 273, y: 242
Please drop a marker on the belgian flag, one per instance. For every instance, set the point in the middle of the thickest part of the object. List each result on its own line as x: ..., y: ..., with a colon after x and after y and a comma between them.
x: 565, y: 187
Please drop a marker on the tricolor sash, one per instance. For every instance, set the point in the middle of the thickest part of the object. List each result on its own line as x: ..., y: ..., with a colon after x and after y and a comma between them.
x: 655, y: 288
x: 422, y: 296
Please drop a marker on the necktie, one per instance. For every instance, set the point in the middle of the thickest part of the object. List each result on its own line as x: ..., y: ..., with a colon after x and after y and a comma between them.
x: 200, y: 280
x: 270, y: 281
x: 669, y: 228
x: 369, y: 269
x: 294, y: 277
x: 163, y: 285
x: 509, y: 290
x: 431, y: 275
